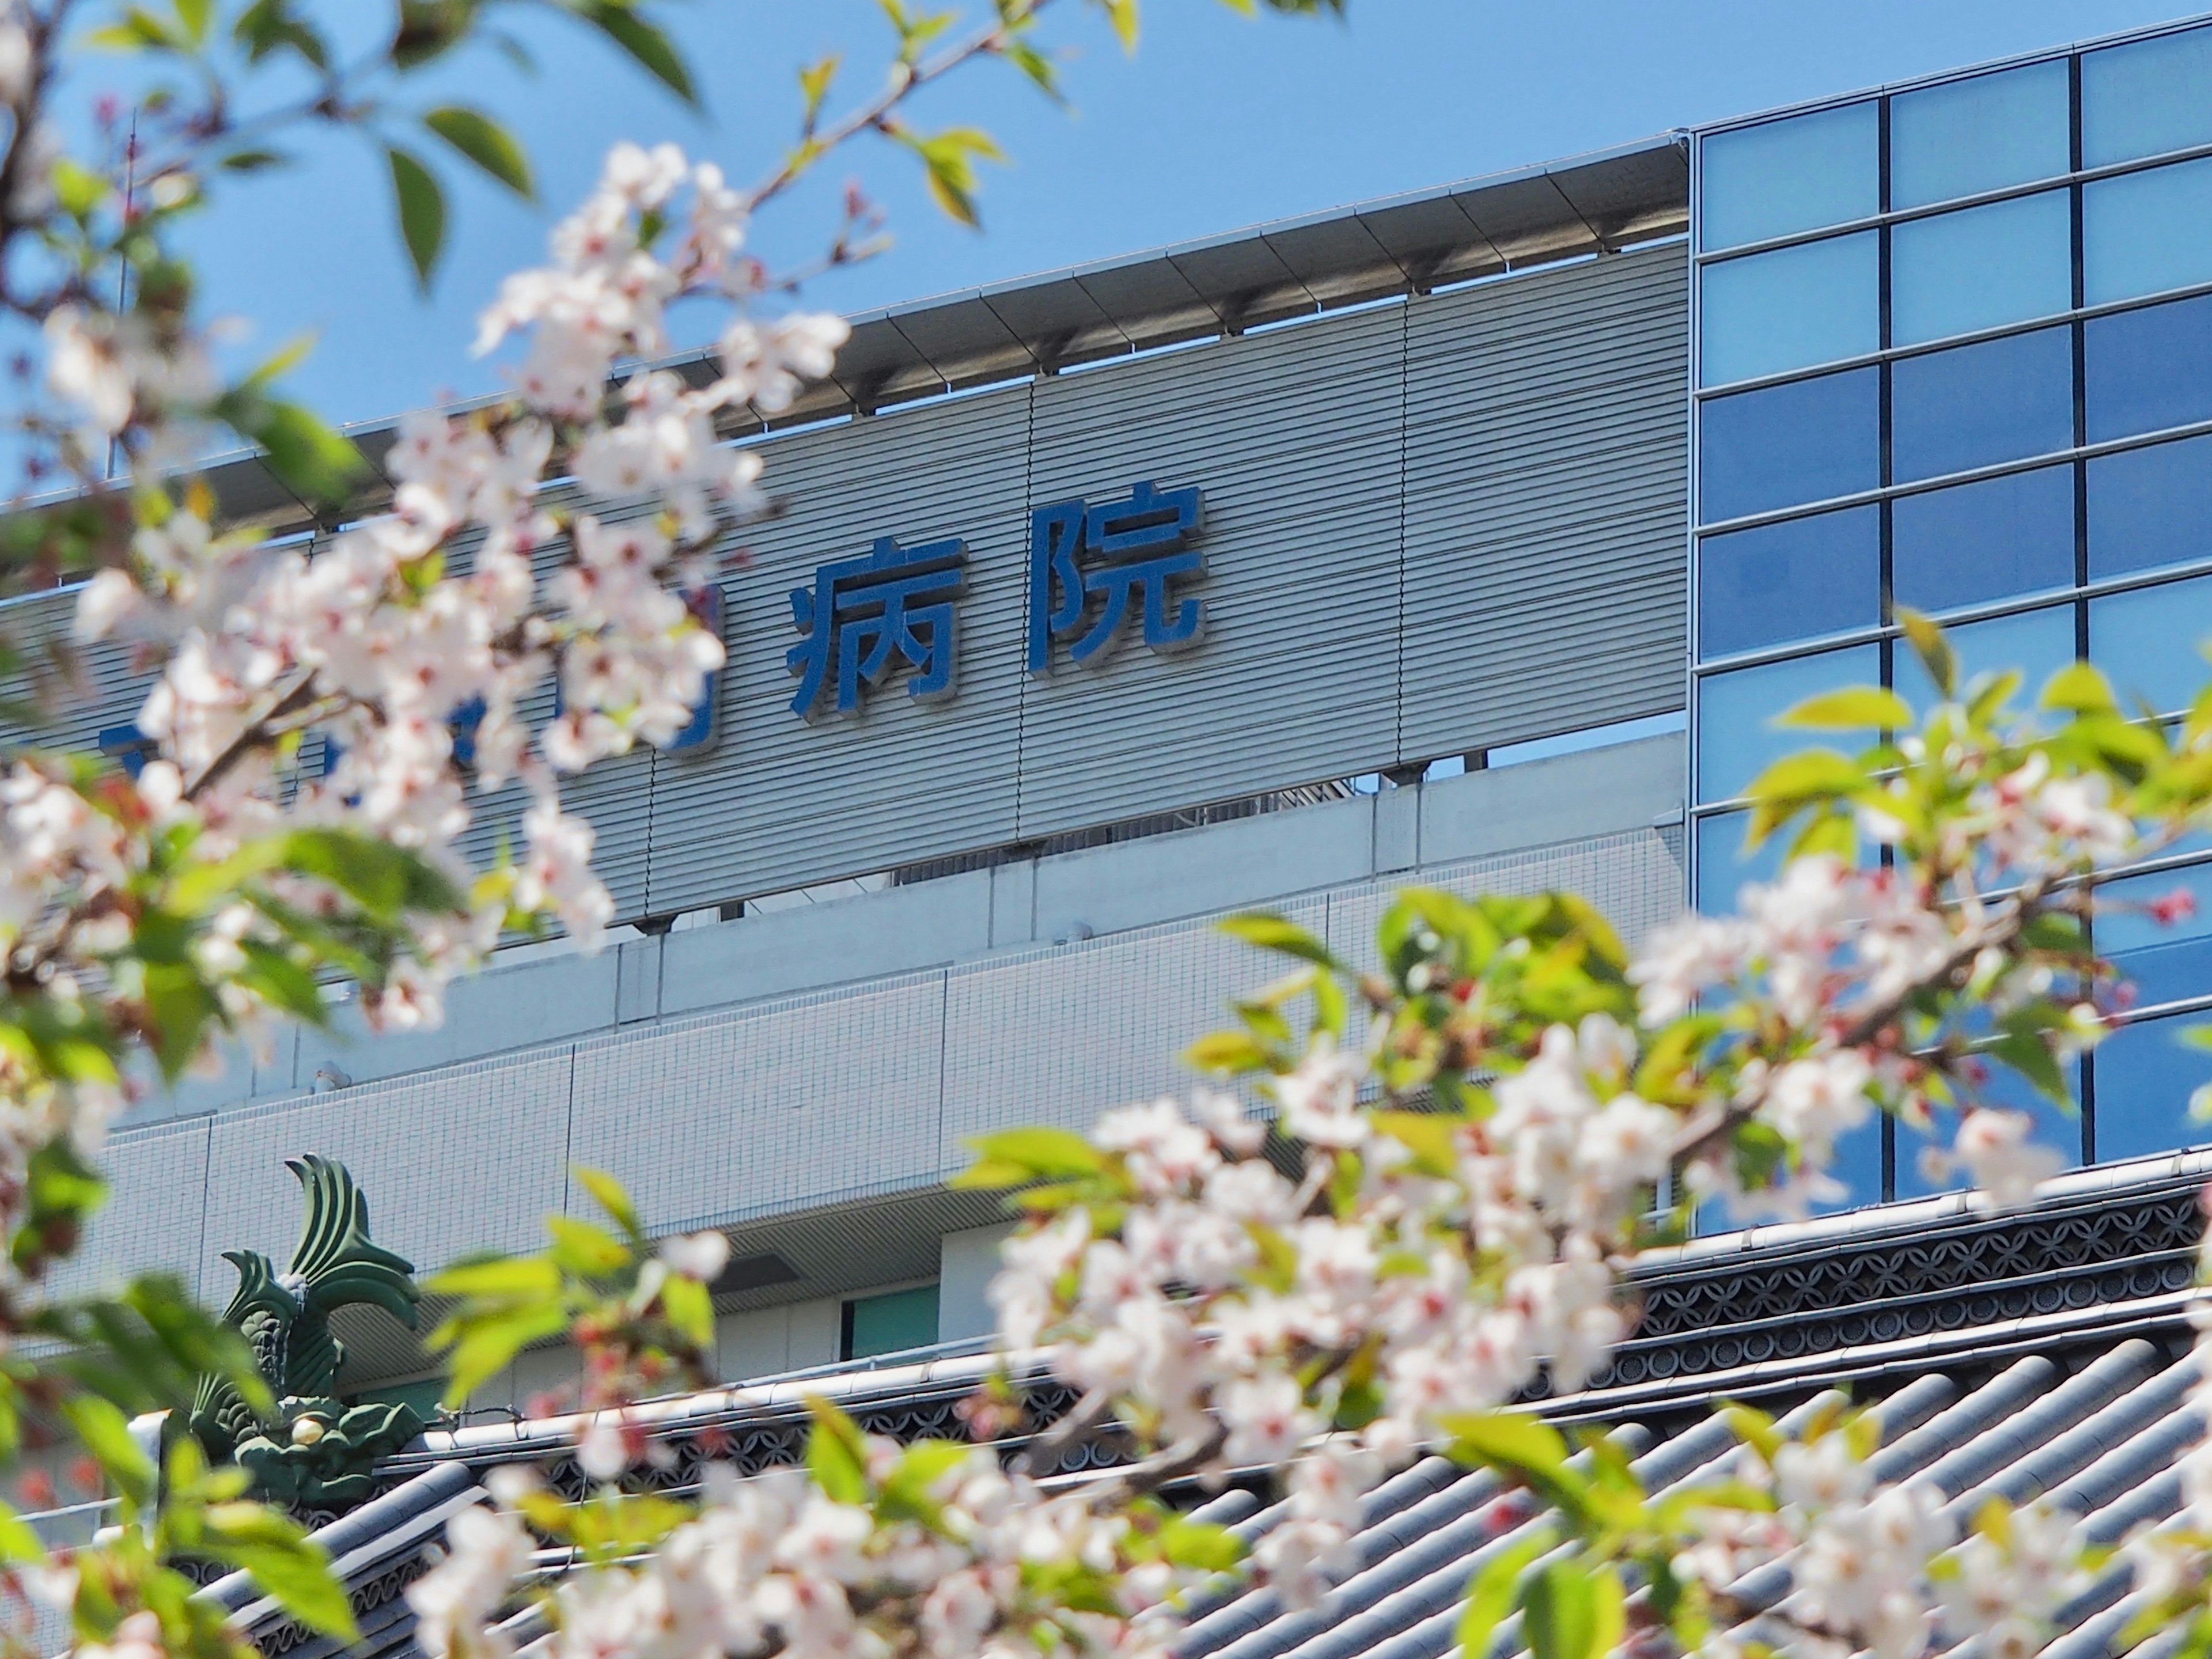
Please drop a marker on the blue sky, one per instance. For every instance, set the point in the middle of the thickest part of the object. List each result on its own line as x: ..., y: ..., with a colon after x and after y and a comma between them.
x: 1218, y: 122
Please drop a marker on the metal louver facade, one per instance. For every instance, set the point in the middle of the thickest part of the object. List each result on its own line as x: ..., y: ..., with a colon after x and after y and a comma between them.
x: 1432, y: 527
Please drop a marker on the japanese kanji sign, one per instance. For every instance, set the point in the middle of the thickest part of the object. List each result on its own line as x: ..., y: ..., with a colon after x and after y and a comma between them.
x: 1095, y: 571
x: 863, y: 616
x: 1090, y: 565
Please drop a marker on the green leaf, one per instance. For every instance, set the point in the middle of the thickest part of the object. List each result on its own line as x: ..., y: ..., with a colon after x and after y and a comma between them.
x: 948, y: 159
x: 2081, y: 688
x: 1044, y: 1152
x: 285, y: 1562
x: 283, y: 983
x: 1811, y: 775
x: 1516, y: 1441
x: 1855, y: 708
x: 814, y: 82
x: 1489, y: 1596
x: 182, y: 1006
x: 268, y: 25
x: 612, y: 1196
x: 1038, y: 67
x: 1280, y: 935
x: 485, y: 1348
x: 485, y: 142
x: 515, y: 1277
x: 1200, y: 1546
x: 197, y: 1343
x: 1933, y: 650
x: 837, y: 1454
x: 106, y: 1433
x: 422, y: 207
x: 1432, y: 1136
x: 253, y: 160
x: 1225, y: 1053
x: 138, y: 29
x: 388, y: 882
x: 647, y: 46
x: 1754, y: 1428
x: 79, y: 190
x: 18, y: 1542
x: 1574, y: 1611
x: 1122, y: 13
x: 585, y: 1248
x: 690, y: 1308
x: 309, y: 457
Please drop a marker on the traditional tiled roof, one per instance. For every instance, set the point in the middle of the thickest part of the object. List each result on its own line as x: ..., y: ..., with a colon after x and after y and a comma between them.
x: 2041, y: 1352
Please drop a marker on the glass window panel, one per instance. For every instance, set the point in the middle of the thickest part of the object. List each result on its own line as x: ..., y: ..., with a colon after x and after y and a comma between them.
x: 2147, y: 99
x: 2150, y: 507
x: 2144, y: 232
x: 1966, y: 137
x: 2144, y: 1078
x: 2166, y: 963
x: 1785, y: 446
x: 2054, y: 1128
x: 1784, y: 177
x: 1976, y: 405
x: 2146, y: 641
x: 2038, y: 642
x: 1724, y: 865
x: 891, y: 1322
x: 1792, y: 308
x: 1855, y: 1166
x: 2147, y: 370
x: 1975, y: 542
x: 1736, y: 738
x: 1960, y: 273
x: 1790, y: 581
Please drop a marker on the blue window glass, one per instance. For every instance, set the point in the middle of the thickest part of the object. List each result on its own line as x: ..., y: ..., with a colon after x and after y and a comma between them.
x: 1790, y: 581
x: 2037, y: 643
x: 1857, y: 1166
x: 2054, y: 1128
x: 1724, y: 864
x: 1784, y: 177
x: 1959, y: 273
x: 2144, y: 232
x: 1967, y: 136
x: 2147, y: 99
x: 1976, y: 405
x: 2164, y: 963
x: 1796, y: 307
x: 1736, y: 738
x: 1975, y: 542
x: 1787, y: 445
x: 2147, y: 370
x: 2144, y: 1078
x: 2148, y: 640
x: 2150, y: 507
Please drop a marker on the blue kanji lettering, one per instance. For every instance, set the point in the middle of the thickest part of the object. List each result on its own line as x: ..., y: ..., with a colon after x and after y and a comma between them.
x: 865, y: 617
x: 1089, y: 566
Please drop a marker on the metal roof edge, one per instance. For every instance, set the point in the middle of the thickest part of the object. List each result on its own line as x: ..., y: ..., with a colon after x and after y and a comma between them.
x: 247, y: 490
x: 1673, y: 138
x: 1960, y: 72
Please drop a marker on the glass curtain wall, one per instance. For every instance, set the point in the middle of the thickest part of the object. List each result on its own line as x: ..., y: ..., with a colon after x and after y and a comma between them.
x: 1954, y: 352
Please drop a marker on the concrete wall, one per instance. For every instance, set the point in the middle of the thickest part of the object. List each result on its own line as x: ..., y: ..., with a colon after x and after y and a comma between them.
x: 968, y: 1262
x: 1431, y: 528
x: 853, y: 1057
x: 964, y: 918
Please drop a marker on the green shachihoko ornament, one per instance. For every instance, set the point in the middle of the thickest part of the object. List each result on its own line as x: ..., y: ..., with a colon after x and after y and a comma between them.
x: 316, y: 1452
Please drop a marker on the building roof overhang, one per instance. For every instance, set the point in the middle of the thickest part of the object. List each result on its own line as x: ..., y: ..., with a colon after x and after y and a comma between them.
x: 1225, y: 284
